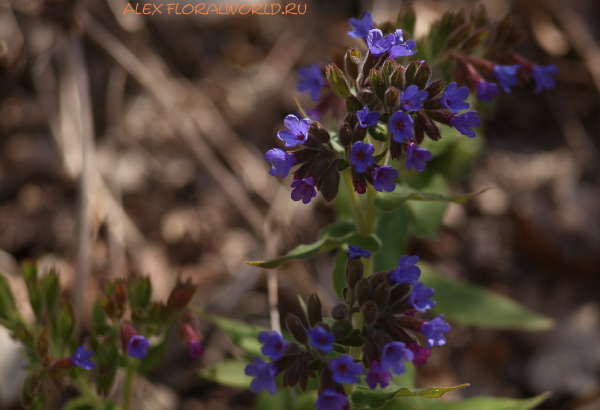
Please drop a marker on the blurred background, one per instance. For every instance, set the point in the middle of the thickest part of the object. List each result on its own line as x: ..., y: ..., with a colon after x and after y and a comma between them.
x: 134, y: 144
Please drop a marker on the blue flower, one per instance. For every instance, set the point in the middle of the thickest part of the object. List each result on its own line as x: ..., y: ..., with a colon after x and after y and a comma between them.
x: 361, y: 26
x: 407, y: 271
x: 454, y: 99
x: 378, y: 44
x: 332, y: 400
x: 264, y: 376
x: 419, y: 297
x: 401, y: 49
x: 377, y: 374
x: 281, y: 161
x: 401, y: 126
x: 486, y: 91
x: 416, y: 156
x: 81, y: 358
x: 355, y: 252
x: 345, y: 369
x: 311, y: 79
x: 138, y: 346
x: 393, y: 356
x: 383, y: 178
x: 362, y: 156
x: 196, y: 349
x: 544, y: 77
x: 464, y: 122
x: 506, y: 75
x: 412, y: 97
x: 434, y: 330
x: 297, y: 132
x: 321, y: 339
x: 366, y: 119
x: 304, y: 189
x: 274, y: 345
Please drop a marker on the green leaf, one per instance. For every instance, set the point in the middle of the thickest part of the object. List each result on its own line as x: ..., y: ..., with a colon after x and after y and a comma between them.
x: 7, y: 300
x: 51, y: 289
x: 140, y: 293
x: 155, y: 356
x: 392, y: 228
x: 388, y: 201
x: 475, y: 306
x: 228, y: 373
x: 379, y: 132
x: 331, y: 237
x: 362, y: 397
x: 241, y: 334
x: 381, y: 157
x: 426, y: 217
x: 30, y: 273
x: 475, y: 403
x: 339, y: 273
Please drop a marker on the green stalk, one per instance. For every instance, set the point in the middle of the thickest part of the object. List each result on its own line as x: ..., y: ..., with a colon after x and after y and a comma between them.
x: 128, y: 386
x: 355, y: 203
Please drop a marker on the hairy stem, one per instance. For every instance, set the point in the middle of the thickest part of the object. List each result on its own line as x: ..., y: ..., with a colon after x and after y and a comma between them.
x: 128, y: 386
x: 355, y: 203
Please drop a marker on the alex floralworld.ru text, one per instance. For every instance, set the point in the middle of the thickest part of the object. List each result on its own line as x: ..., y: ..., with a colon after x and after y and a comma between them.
x: 222, y: 8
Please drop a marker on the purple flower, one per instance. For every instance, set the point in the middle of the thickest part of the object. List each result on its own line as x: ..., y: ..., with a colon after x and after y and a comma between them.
x: 420, y: 354
x: 297, y: 132
x: 361, y: 26
x: 311, y: 79
x: 486, y: 91
x: 377, y: 374
x: 419, y: 297
x: 378, y: 44
x: 401, y: 126
x: 434, y: 330
x: 383, y: 178
x: 321, y: 339
x: 196, y: 349
x: 393, y: 356
x: 412, y: 97
x: 281, y: 161
x: 345, y: 369
x: 401, y: 49
x: 454, y: 99
x: 304, y: 189
x: 264, y: 376
x: 362, y: 156
x: 366, y: 119
x: 506, y: 75
x: 332, y: 400
x: 464, y: 122
x: 138, y: 346
x: 81, y: 358
x: 355, y: 252
x: 407, y: 271
x: 544, y: 77
x: 274, y: 345
x: 416, y: 156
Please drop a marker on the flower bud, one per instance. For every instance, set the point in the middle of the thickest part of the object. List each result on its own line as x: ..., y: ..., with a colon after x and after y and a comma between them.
x: 359, y: 134
x: 435, y: 87
x: 378, y: 83
x: 399, y: 292
x: 339, y: 311
x: 475, y: 39
x: 352, y: 62
x: 458, y: 35
x: 120, y: 298
x: 180, y: 295
x: 366, y: 96
x: 296, y: 328
x: 503, y: 26
x: 370, y: 313
x: 409, y: 323
x: 320, y: 132
x: 329, y: 183
x: 363, y: 291
x: 398, y: 334
x: 342, y: 329
x: 42, y: 345
x: 314, y: 310
x: 387, y: 69
x: 346, y: 135
x: 392, y: 97
x: 410, y: 73
x: 397, y: 80
x: 140, y: 293
x: 428, y: 126
x: 297, y: 373
x: 381, y: 296
x: 353, y: 104
x: 479, y: 16
x: 305, y: 155
x: 338, y: 81
x: 459, y: 18
x: 422, y: 76
x: 440, y: 116
x: 354, y: 272
x: 419, y: 133
x: 32, y: 387
x: 395, y: 149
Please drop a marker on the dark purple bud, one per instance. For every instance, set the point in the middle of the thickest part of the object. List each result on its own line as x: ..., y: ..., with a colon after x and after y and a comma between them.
x: 479, y: 16
x: 352, y: 62
x: 395, y: 332
x: 363, y: 291
x: 396, y: 149
x: 181, y: 295
x: 320, y: 132
x: 338, y: 81
x: 314, y: 310
x: 411, y: 71
x: 304, y: 155
x: 353, y: 104
x: 419, y: 132
x: 503, y: 26
x: 422, y: 76
x: 297, y: 373
x: 409, y: 323
x: 42, y: 345
x: 475, y: 39
x: 397, y: 78
x: 359, y: 134
x: 370, y: 313
x: 354, y: 272
x: 366, y: 97
x: 392, y: 97
x: 346, y: 135
x: 342, y: 329
x: 339, y: 311
x: 378, y: 83
x: 330, y: 183
x: 381, y: 296
x: 435, y: 87
x: 459, y: 34
x: 420, y: 354
x: 440, y: 116
x: 296, y: 328
x: 399, y: 292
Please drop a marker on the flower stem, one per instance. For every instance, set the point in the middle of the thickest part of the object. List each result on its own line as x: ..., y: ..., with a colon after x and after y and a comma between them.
x: 128, y: 386
x: 355, y: 203
x: 85, y: 389
x: 371, y: 210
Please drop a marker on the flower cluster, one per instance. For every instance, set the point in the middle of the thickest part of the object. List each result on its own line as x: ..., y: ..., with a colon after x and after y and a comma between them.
x: 388, y: 336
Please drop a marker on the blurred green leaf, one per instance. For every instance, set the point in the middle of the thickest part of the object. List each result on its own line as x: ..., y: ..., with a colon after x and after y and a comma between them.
x: 282, y: 400
x: 108, y: 361
x: 331, y: 237
x: 30, y: 273
x: 339, y: 272
x: 392, y: 229
x: 475, y: 403
x: 241, y: 334
x: 471, y: 305
x: 155, y: 355
x: 228, y: 373
x: 99, y: 319
x: 7, y: 300
x: 140, y: 293
x: 426, y: 217
x: 51, y: 289
x: 362, y: 397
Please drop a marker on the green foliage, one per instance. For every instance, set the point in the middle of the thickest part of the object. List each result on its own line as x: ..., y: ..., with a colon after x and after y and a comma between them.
x: 228, y: 373
x: 475, y: 403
